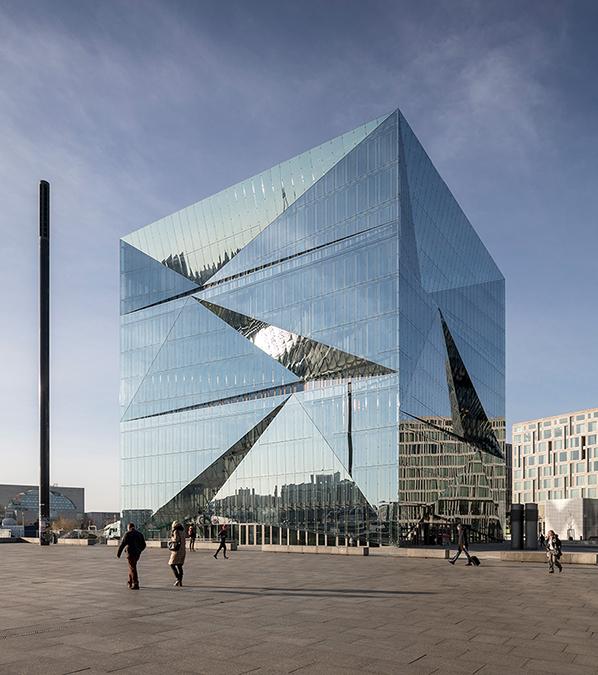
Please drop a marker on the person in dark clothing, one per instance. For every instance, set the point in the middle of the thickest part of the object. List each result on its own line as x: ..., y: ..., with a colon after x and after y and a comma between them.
x: 222, y: 534
x: 134, y: 542
x: 462, y: 545
x: 553, y: 551
x: 542, y: 540
x: 192, y: 534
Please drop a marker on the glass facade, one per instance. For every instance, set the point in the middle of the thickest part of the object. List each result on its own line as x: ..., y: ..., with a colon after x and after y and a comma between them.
x: 317, y: 349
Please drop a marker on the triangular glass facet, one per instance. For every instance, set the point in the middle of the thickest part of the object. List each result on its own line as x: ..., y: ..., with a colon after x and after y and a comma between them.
x: 144, y: 281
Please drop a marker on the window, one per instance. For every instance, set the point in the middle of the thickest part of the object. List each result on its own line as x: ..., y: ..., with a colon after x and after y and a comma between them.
x: 558, y: 432
x: 574, y: 454
x: 527, y: 437
x: 541, y: 459
x: 518, y: 473
x: 592, y: 479
x: 530, y: 473
x: 575, y: 492
x: 592, y: 426
x: 547, y: 471
x: 527, y: 449
x: 579, y: 417
x: 542, y: 446
x: 592, y: 439
x: 580, y: 467
x: 580, y: 480
x: 517, y: 485
x: 516, y: 439
x: 580, y: 428
x: 547, y: 433
x: 591, y: 492
x: 531, y: 461
x: 547, y: 424
x: 563, y: 420
x: 556, y: 494
x: 563, y: 469
x: 563, y: 457
x: 546, y: 483
x: 574, y: 442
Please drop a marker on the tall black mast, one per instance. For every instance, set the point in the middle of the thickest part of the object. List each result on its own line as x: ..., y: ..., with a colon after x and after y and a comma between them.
x: 44, y: 362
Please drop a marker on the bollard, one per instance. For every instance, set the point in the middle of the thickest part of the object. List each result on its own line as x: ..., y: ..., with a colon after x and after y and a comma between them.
x: 516, y: 527
x: 531, y: 527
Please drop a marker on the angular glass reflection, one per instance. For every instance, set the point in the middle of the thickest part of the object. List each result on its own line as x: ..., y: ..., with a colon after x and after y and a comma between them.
x: 193, y: 500
x: 202, y: 238
x: 144, y: 281
x: 162, y: 454
x: 202, y: 360
x: 292, y: 478
x: 469, y: 418
x: 308, y: 359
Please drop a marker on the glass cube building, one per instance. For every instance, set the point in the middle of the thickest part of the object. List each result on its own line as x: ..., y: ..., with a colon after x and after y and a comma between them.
x: 317, y: 349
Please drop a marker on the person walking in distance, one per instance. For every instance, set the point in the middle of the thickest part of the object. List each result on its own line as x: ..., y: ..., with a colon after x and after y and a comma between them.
x: 462, y: 545
x: 192, y: 534
x: 134, y: 542
x: 553, y: 551
x: 222, y: 533
x: 176, y: 545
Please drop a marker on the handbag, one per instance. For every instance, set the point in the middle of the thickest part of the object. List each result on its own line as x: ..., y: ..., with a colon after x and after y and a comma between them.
x: 174, y: 545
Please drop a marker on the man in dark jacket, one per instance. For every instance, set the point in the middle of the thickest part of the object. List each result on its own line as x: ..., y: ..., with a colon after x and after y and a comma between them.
x: 462, y: 545
x: 134, y: 542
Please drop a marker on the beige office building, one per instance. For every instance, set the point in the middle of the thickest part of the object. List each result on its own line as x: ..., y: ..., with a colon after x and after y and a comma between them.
x: 556, y: 458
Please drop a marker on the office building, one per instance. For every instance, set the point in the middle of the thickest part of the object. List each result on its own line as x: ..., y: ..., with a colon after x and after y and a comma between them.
x: 555, y: 463
x: 317, y: 351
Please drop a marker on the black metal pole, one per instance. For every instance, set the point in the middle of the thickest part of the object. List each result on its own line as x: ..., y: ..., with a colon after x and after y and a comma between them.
x: 44, y: 362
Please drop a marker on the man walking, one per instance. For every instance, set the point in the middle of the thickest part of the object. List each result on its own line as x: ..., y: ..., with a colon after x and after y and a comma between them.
x: 462, y: 545
x: 553, y: 551
x: 222, y: 533
x: 192, y: 534
x: 134, y: 542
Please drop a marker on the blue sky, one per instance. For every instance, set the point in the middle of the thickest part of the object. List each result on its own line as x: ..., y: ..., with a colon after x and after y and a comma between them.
x: 135, y: 109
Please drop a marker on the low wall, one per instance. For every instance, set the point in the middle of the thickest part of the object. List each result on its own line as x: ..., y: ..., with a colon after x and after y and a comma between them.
x: 442, y: 553
x: 77, y: 542
x: 324, y: 550
x: 199, y: 545
x: 540, y: 557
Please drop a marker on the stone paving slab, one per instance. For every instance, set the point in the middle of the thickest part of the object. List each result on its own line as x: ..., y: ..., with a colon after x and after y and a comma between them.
x: 66, y: 610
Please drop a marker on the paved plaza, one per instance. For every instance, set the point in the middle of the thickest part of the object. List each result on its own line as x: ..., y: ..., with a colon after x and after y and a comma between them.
x: 67, y: 610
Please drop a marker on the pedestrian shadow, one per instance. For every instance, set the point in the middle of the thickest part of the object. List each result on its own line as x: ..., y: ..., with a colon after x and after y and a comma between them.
x: 296, y: 592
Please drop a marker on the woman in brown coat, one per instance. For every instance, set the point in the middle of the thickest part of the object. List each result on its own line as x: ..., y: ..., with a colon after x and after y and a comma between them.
x: 177, y: 551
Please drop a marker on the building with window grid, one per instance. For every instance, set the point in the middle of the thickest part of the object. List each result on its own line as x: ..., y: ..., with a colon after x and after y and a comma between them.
x: 555, y: 464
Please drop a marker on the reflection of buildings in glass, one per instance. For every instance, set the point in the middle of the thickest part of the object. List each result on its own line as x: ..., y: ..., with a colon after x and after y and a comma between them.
x: 443, y: 479
x: 325, y: 349
x: 325, y: 503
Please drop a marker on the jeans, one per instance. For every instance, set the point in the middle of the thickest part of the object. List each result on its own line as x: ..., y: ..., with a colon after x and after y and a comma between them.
x: 133, y: 577
x: 553, y: 559
x: 177, y: 570
x: 462, y: 549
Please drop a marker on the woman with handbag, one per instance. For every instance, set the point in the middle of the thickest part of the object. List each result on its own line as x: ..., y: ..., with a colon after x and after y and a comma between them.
x: 176, y: 545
